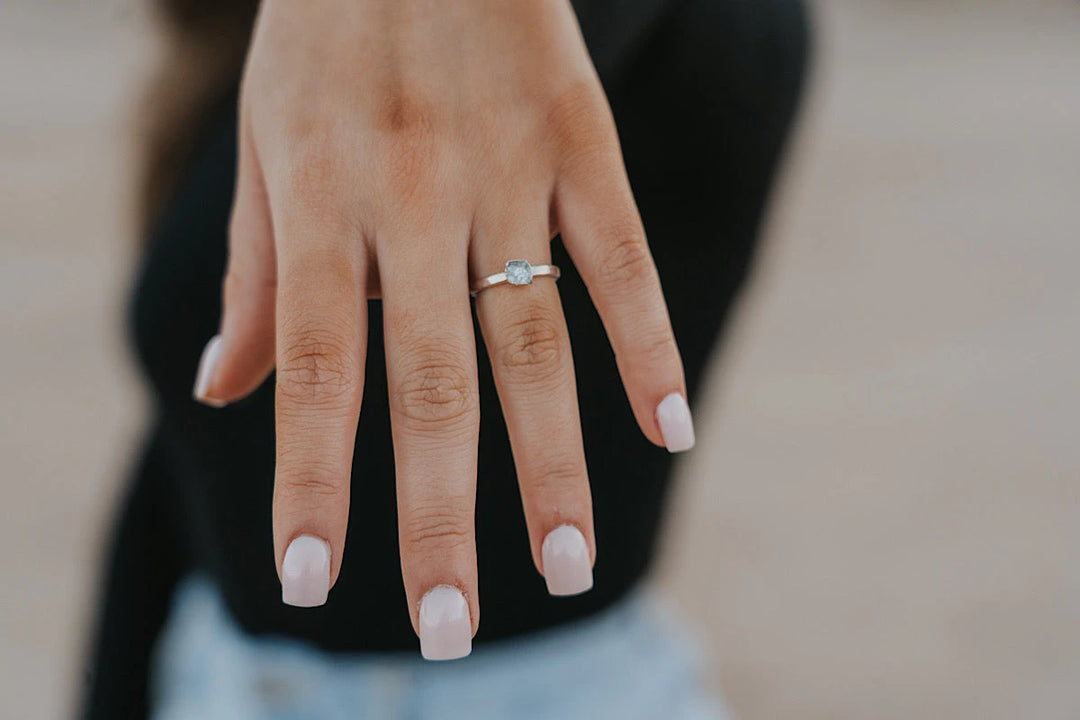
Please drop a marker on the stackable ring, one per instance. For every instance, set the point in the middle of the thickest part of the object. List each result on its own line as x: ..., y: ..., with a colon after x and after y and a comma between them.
x: 517, y: 272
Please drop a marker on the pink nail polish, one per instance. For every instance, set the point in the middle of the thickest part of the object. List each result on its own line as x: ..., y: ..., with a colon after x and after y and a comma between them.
x: 305, y: 572
x: 676, y: 425
x: 445, y: 625
x: 210, y: 356
x: 567, y: 569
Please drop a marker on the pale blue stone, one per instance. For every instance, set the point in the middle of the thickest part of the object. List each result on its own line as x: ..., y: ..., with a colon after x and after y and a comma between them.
x: 518, y: 272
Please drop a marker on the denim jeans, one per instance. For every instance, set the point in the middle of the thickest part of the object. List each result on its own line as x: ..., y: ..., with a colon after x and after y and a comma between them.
x: 628, y: 662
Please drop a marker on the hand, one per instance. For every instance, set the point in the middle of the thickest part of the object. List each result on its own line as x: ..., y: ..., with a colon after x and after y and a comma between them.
x: 394, y: 149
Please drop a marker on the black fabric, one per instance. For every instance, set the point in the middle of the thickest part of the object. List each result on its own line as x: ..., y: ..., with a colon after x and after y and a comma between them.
x: 703, y: 94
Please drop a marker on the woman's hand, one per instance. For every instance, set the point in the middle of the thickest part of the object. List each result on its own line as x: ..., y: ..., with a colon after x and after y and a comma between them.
x: 394, y: 149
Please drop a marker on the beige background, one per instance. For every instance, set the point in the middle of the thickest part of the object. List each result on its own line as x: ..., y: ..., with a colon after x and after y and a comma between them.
x: 882, y: 519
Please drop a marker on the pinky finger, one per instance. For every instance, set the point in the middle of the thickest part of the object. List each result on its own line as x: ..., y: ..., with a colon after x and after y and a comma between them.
x: 602, y: 230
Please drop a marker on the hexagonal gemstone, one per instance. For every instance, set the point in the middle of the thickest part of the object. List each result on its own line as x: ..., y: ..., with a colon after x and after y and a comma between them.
x: 518, y: 272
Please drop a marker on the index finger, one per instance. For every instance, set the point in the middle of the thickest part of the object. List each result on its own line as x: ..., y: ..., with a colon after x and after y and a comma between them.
x: 321, y: 335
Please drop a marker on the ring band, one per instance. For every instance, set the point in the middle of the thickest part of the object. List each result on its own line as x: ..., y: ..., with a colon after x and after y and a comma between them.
x: 517, y: 272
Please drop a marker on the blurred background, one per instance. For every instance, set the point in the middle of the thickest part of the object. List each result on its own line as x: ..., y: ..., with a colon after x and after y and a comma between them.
x: 882, y: 519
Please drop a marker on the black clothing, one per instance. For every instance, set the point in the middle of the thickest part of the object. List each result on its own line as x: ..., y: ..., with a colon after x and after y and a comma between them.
x: 703, y: 93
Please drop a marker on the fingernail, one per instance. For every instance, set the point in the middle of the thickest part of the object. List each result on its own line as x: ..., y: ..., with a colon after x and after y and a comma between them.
x: 567, y: 569
x: 676, y: 425
x: 210, y: 356
x: 305, y: 572
x: 445, y: 625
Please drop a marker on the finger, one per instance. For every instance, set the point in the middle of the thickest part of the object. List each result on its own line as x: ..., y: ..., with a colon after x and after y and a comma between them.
x: 603, y: 233
x: 525, y: 332
x: 239, y: 359
x: 321, y: 335
x: 431, y: 371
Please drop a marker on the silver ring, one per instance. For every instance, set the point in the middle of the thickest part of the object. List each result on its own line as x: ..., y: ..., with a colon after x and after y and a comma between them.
x: 517, y: 272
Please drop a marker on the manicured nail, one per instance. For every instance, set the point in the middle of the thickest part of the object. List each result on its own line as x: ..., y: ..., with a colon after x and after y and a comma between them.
x: 445, y: 625
x: 305, y: 572
x: 567, y: 569
x: 676, y: 425
x: 210, y: 356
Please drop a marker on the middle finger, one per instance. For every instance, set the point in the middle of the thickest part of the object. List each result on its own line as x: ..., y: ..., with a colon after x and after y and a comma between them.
x: 435, y: 417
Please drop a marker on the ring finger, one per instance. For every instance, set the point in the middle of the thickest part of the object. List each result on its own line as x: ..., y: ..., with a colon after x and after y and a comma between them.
x: 525, y: 332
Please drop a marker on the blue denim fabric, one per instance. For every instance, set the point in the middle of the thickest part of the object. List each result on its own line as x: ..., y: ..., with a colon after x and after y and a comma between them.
x: 627, y: 663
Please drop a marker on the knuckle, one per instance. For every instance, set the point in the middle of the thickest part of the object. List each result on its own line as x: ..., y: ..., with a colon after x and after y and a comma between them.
x: 437, y: 528
x: 403, y: 111
x: 313, y: 165
x: 304, y: 488
x: 658, y: 349
x: 576, y: 118
x: 407, y: 157
x: 314, y: 187
x: 408, y: 165
x: 315, y: 197
x: 437, y: 390
x: 625, y: 261
x: 310, y: 490
x: 560, y: 474
x: 316, y: 368
x: 533, y: 344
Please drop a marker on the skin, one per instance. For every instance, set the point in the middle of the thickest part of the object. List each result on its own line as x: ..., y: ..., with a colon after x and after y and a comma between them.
x: 377, y: 136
